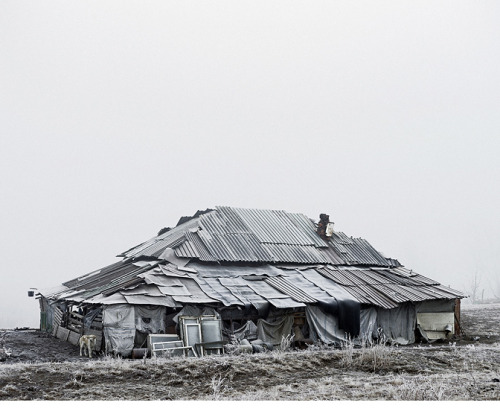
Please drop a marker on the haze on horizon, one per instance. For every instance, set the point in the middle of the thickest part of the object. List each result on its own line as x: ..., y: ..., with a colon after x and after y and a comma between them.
x: 119, y: 117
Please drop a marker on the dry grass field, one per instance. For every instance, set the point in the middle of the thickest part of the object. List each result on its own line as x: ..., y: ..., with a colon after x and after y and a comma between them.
x: 43, y: 368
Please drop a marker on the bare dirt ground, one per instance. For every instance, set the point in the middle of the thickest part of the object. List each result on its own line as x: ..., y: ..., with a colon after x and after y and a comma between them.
x: 40, y: 367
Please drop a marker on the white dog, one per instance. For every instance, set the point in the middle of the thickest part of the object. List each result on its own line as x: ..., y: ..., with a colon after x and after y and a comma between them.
x: 88, y: 343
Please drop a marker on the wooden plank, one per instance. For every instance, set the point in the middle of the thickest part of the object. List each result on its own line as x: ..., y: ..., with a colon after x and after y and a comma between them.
x: 73, y: 338
x: 62, y: 333
x: 54, y: 330
x: 74, y: 328
x: 56, y: 320
x: 75, y: 322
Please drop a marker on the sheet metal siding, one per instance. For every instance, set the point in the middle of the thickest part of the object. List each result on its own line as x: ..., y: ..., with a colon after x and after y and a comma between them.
x: 297, y: 294
x: 295, y: 254
x: 161, y: 241
x: 307, y: 227
x: 186, y: 250
x: 201, y: 249
x: 384, y: 288
x: 117, y: 283
x: 273, y: 226
x: 369, y: 295
x: 331, y: 256
x: 246, y: 235
x: 105, y: 277
x: 312, y: 290
x: 356, y: 251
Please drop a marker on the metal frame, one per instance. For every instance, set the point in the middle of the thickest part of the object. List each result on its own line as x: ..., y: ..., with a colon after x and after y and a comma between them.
x: 214, y: 345
x: 189, y: 342
x: 165, y: 347
x: 200, y: 346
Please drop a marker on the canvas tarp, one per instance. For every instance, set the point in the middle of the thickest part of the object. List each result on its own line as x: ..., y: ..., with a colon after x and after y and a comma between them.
x: 368, y: 324
x: 194, y: 311
x: 398, y: 324
x: 247, y: 331
x: 121, y: 321
x: 149, y: 319
x: 119, y: 328
x: 273, y: 332
x: 324, y: 327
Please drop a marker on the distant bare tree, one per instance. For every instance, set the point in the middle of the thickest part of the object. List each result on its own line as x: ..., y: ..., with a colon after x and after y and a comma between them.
x: 474, y: 288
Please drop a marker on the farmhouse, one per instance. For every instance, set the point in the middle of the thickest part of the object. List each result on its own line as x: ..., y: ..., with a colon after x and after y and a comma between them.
x: 250, y: 277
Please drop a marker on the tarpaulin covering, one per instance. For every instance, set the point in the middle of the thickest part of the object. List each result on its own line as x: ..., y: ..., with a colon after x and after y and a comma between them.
x: 324, y: 327
x: 334, y: 301
x: 120, y: 322
x: 119, y: 341
x: 274, y: 332
x: 368, y: 324
x: 150, y: 319
x: 398, y: 324
x: 346, y: 313
x: 194, y: 311
x: 119, y: 328
x: 247, y: 331
x: 90, y: 316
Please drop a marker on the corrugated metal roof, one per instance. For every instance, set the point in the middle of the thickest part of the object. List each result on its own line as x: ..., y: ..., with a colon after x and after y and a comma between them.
x: 234, y: 285
x: 249, y: 235
x: 296, y: 293
x: 385, y: 287
x: 275, y: 226
x: 341, y: 267
x: 366, y: 294
x: 356, y: 251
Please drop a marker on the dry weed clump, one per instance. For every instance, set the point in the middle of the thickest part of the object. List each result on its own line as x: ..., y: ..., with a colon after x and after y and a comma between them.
x: 218, y: 389
x: 373, y: 355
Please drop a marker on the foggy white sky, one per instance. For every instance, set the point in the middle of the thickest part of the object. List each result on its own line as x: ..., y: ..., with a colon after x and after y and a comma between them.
x: 119, y: 117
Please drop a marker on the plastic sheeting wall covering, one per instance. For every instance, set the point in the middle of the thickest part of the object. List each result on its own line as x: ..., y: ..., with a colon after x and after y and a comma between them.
x: 398, y: 324
x: 274, y: 331
x: 324, y: 327
x: 121, y: 321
